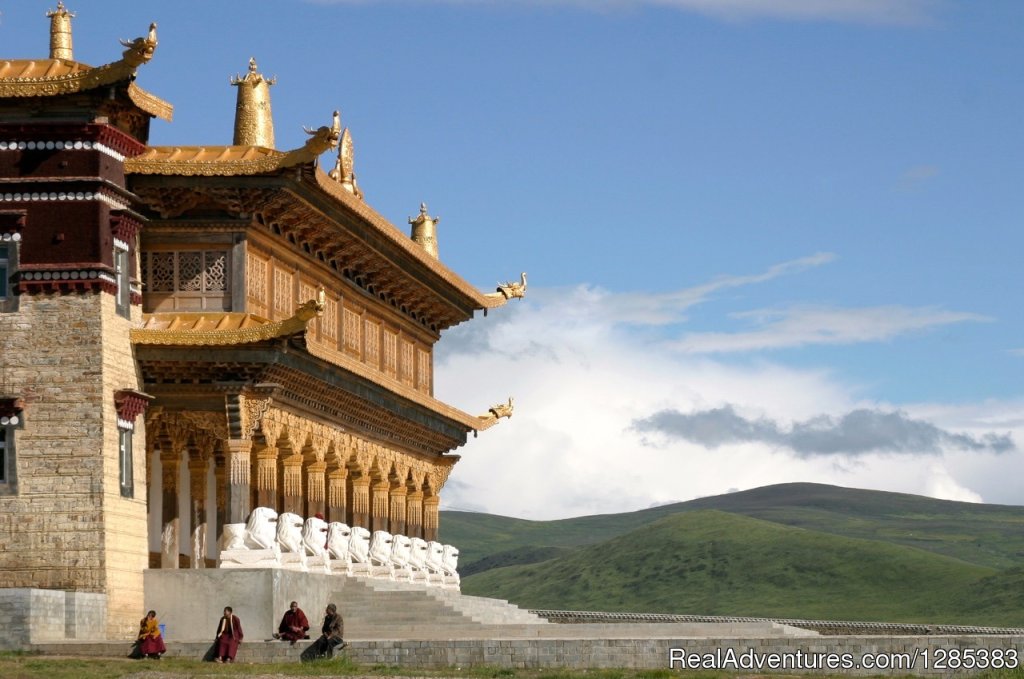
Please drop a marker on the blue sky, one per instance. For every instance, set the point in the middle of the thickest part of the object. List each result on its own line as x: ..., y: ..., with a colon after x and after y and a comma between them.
x: 784, y: 210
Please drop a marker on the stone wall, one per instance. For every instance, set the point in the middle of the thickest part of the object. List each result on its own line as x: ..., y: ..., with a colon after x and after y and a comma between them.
x: 65, y: 525
x: 651, y: 654
x: 32, y: 616
x: 191, y: 602
x: 126, y: 549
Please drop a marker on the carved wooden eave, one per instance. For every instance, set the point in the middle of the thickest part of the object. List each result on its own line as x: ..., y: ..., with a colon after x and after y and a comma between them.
x: 314, y: 216
x: 25, y: 78
x: 348, y: 396
x: 214, y: 329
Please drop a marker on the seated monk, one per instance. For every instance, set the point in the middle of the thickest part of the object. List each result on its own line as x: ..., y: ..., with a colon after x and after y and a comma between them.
x: 293, y: 625
x: 151, y: 643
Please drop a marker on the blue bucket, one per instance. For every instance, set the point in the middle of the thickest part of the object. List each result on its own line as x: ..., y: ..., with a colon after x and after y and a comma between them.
x: 163, y: 630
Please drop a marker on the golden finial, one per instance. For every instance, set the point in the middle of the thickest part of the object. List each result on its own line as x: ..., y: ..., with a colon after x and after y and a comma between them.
x: 343, y: 168
x: 424, y: 231
x: 254, y: 123
x: 60, y: 32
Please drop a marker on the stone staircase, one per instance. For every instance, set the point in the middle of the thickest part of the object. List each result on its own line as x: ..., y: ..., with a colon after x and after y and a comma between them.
x: 376, y: 609
x: 383, y: 609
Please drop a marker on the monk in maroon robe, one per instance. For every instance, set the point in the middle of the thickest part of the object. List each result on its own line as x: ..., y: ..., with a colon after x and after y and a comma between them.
x: 229, y: 635
x: 293, y: 625
x: 151, y: 643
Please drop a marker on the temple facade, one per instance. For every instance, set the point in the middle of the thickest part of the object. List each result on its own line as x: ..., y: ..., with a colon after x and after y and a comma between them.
x: 188, y: 333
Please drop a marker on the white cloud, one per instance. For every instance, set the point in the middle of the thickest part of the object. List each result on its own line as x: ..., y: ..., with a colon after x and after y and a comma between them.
x: 806, y: 325
x: 580, y: 381
x: 896, y: 12
x: 943, y: 486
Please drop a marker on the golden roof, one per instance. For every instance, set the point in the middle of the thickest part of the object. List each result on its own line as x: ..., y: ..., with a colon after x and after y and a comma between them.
x: 208, y: 329
x: 232, y: 161
x: 54, y: 77
x: 219, y: 329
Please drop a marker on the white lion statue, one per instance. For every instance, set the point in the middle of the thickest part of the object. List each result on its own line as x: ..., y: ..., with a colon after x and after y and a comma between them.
x: 233, y: 536
x: 338, y: 537
x: 380, y: 555
x: 418, y: 559
x: 451, y: 566
x: 261, y: 529
x: 314, y: 536
x: 401, y: 549
x: 289, y: 538
x: 359, y: 550
x: 314, y: 540
x: 435, y: 563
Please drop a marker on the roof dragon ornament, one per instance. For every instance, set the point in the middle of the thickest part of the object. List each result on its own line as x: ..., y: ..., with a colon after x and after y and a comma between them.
x: 140, y: 50
x: 511, y: 289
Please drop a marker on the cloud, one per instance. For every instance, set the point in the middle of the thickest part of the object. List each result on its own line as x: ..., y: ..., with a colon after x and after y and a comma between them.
x: 918, y: 175
x: 893, y: 12
x: 806, y: 325
x: 582, y: 378
x: 857, y: 433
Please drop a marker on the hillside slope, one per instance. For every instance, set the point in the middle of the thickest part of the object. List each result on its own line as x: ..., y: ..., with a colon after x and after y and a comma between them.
x: 713, y: 563
x: 987, y: 535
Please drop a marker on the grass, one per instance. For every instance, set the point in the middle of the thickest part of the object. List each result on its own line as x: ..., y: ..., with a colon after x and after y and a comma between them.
x: 715, y: 563
x: 30, y: 666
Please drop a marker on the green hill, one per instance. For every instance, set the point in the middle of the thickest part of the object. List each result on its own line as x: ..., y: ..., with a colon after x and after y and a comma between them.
x: 987, y: 535
x: 714, y: 563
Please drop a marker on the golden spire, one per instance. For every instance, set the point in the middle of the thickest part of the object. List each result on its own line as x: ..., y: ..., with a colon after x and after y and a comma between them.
x: 254, y: 124
x: 343, y: 168
x: 60, y: 32
x: 424, y: 231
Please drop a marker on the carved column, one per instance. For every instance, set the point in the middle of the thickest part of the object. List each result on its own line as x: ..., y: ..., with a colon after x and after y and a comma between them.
x: 197, y: 470
x: 430, y: 515
x: 266, y: 477
x: 238, y: 464
x: 169, y: 547
x: 293, y: 485
x: 336, y: 495
x: 380, y: 506
x: 220, y: 490
x: 361, y: 501
x: 398, y: 502
x: 414, y: 514
x: 315, y: 473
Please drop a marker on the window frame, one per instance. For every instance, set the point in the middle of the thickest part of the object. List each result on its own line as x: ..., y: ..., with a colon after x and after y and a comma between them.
x: 9, y: 424
x: 122, y: 274
x: 125, y: 464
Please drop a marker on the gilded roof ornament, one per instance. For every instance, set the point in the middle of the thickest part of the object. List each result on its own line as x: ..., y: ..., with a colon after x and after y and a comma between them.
x: 499, y: 411
x: 424, y: 230
x: 60, y: 32
x: 511, y: 289
x: 254, y: 123
x: 140, y: 50
x: 343, y: 172
x: 323, y: 138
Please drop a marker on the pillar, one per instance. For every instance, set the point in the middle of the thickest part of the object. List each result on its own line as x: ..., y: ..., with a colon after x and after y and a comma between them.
x: 398, y: 501
x: 197, y: 470
x: 414, y: 514
x: 430, y: 515
x: 266, y: 477
x: 360, y: 487
x: 380, y: 505
x: 292, y: 477
x: 315, y: 474
x: 220, y: 492
x: 238, y: 463
x: 169, y: 546
x: 336, y: 504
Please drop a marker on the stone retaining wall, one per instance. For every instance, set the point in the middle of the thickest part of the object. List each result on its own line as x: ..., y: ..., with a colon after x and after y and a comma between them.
x: 832, y: 627
x: 30, y: 616
x: 598, y: 653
